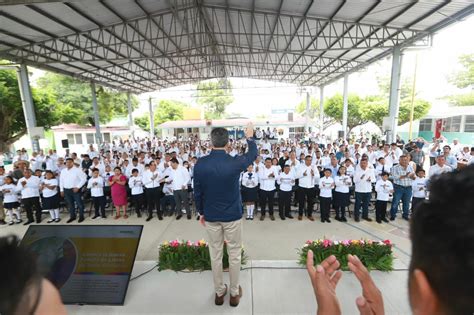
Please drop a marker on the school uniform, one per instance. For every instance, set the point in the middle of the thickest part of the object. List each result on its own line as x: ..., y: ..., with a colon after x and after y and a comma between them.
x: 151, y: 181
x: 50, y: 199
x: 286, y: 182
x: 383, y: 189
x: 30, y: 197
x: 342, y: 196
x: 249, y: 191
x: 267, y: 189
x: 96, y: 185
x: 138, y: 196
x: 419, y: 192
x: 326, y: 185
x: 307, y: 190
x: 10, y: 203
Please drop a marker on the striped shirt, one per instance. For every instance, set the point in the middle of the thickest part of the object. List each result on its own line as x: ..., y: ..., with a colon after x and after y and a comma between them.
x: 398, y: 171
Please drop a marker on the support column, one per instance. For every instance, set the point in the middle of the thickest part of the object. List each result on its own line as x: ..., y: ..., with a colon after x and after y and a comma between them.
x: 130, y: 117
x: 98, y: 135
x: 152, y: 120
x: 308, y: 110
x: 321, y: 109
x: 394, y: 100
x: 345, y: 105
x: 27, y: 103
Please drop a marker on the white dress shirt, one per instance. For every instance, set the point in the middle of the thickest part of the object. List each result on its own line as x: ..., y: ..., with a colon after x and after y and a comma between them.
x: 286, y: 181
x: 363, y: 179
x: 9, y: 193
x: 96, y: 185
x: 325, y: 186
x: 136, y: 185
x: 436, y: 169
x: 31, y: 189
x: 383, y: 189
x: 180, y: 177
x: 268, y: 183
x: 249, y: 181
x: 50, y: 192
x: 71, y: 178
x: 343, y: 182
x: 152, y: 179
x: 309, y: 180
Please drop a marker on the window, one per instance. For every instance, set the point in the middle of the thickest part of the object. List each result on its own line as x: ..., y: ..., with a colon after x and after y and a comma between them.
x: 453, y: 124
x: 425, y: 124
x: 106, y: 136
x: 78, y: 138
x: 190, y: 130
x: 469, y: 124
x: 70, y: 138
x: 90, y: 138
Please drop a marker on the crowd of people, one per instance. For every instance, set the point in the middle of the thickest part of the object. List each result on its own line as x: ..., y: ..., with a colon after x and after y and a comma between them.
x: 156, y: 176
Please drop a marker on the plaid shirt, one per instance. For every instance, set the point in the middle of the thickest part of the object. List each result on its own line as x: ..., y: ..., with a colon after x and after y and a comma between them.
x: 398, y: 171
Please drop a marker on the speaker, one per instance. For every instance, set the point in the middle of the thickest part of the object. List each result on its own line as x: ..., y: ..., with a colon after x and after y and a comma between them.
x: 340, y: 134
x: 65, y: 143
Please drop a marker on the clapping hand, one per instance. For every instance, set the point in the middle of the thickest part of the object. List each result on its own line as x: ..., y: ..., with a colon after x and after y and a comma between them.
x: 371, y: 301
x: 23, y: 183
x: 249, y: 130
x: 324, y: 279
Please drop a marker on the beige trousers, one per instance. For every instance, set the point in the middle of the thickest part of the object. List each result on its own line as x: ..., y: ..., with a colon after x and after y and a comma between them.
x: 232, y: 233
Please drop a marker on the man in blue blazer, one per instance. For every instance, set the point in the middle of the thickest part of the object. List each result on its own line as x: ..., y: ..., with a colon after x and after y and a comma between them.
x: 218, y: 201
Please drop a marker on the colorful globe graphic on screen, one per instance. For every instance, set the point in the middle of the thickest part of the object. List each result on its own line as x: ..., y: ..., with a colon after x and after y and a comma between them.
x: 56, y: 258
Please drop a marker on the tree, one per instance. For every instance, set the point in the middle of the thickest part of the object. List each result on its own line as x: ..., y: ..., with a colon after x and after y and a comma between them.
x: 57, y: 99
x: 167, y: 110
x: 463, y: 79
x: 333, y: 108
x: 215, y: 96
x: 314, y: 107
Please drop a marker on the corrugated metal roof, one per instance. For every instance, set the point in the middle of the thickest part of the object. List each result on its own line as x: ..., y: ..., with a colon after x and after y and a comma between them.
x: 145, y: 45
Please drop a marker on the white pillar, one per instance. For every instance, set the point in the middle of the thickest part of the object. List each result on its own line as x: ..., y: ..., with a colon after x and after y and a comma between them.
x: 308, y: 110
x: 98, y: 135
x: 345, y: 105
x: 321, y: 108
x: 27, y: 103
x: 130, y: 117
x: 394, y: 100
x: 152, y: 120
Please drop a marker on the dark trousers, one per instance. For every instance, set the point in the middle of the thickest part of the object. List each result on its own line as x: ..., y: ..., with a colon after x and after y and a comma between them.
x: 138, y: 202
x: 181, y: 198
x: 99, y: 204
x: 325, y: 205
x: 168, y: 200
x: 414, y: 203
x: 72, y: 199
x: 380, y: 210
x: 362, y: 199
x: 29, y: 204
x: 307, y: 194
x: 284, y: 203
x: 153, y: 200
x: 267, y: 197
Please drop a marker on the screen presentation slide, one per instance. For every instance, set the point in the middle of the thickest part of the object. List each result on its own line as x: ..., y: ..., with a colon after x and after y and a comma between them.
x: 89, y: 264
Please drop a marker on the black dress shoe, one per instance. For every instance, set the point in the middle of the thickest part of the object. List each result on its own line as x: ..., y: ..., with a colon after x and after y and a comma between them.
x: 179, y: 216
x: 38, y: 221
x: 343, y: 219
x: 328, y: 221
x: 289, y: 216
x: 357, y: 219
x: 379, y: 221
x: 338, y: 219
x: 198, y: 217
x: 385, y: 220
x: 262, y: 217
x: 160, y: 217
x: 392, y: 218
x: 406, y: 219
x: 282, y: 217
x: 28, y: 222
x: 71, y: 220
x: 139, y: 215
x: 188, y: 216
x: 81, y: 219
x: 272, y: 217
x: 367, y: 219
x: 149, y: 218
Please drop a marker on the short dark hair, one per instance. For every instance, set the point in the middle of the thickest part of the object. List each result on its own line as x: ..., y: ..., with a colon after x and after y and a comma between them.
x: 22, y: 275
x: 219, y: 137
x: 443, y: 243
x: 174, y: 160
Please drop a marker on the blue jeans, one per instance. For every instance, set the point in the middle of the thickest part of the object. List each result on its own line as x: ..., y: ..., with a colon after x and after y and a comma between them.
x: 404, y: 194
x: 362, y: 199
x: 73, y: 198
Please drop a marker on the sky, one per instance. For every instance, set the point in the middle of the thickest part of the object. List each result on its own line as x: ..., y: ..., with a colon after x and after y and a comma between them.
x: 254, y: 97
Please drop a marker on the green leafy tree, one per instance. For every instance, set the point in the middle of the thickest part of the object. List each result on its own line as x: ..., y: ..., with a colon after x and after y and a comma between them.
x: 215, y: 96
x: 167, y: 110
x: 463, y: 79
x: 375, y: 108
x: 57, y: 99
x: 333, y: 108
x: 314, y: 107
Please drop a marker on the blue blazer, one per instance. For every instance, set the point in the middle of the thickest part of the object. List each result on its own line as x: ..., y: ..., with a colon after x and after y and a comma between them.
x: 216, y: 184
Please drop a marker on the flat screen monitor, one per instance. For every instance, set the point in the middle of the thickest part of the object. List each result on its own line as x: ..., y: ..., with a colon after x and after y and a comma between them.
x: 89, y: 264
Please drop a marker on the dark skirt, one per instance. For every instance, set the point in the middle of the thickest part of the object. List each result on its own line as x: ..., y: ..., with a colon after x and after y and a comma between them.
x: 11, y: 205
x: 249, y: 194
x: 50, y: 203
x: 341, y: 199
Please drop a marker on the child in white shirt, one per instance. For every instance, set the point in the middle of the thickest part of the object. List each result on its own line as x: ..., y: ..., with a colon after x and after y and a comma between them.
x: 50, y: 199
x: 135, y: 183
x: 96, y: 185
x: 419, y: 189
x: 10, y: 201
x: 342, y: 194
x: 326, y: 184
x: 384, y: 188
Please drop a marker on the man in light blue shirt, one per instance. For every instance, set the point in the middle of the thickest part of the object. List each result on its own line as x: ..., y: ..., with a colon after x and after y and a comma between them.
x: 451, y: 160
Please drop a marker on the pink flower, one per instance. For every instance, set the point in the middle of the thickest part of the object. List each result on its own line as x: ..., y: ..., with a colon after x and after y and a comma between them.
x: 346, y: 242
x: 326, y: 243
x: 174, y: 243
x: 387, y: 242
x: 189, y: 243
x: 309, y: 242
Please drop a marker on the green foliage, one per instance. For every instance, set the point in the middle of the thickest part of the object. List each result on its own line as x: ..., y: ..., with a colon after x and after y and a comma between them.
x: 180, y: 255
x: 406, y: 87
x: 333, y: 108
x: 314, y: 107
x: 215, y: 96
x: 373, y: 254
x: 466, y: 99
x: 464, y: 78
x: 167, y: 110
